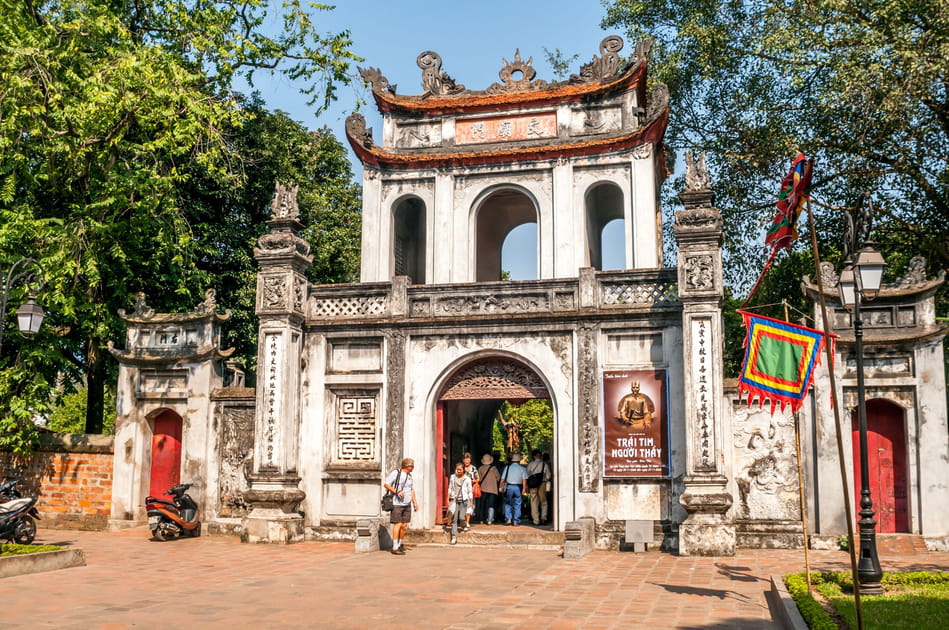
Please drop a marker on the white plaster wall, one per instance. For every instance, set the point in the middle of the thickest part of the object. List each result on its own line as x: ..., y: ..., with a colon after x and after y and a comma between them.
x: 313, y: 430
x: 429, y: 364
x: 933, y: 441
x: 371, y: 268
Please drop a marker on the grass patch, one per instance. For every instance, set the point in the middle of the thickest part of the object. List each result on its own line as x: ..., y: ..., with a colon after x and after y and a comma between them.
x: 911, y: 600
x: 19, y: 550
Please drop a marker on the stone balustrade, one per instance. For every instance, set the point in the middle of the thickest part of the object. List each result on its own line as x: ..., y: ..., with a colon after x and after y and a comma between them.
x: 591, y: 291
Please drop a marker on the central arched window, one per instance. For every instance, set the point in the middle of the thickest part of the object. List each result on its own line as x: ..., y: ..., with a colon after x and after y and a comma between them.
x: 498, y: 216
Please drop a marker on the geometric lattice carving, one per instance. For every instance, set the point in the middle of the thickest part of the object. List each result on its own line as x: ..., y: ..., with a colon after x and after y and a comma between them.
x: 356, y: 427
x: 640, y: 293
x: 349, y: 306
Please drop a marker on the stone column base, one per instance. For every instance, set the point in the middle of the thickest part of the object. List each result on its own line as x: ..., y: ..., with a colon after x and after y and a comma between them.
x: 706, y: 538
x: 272, y: 526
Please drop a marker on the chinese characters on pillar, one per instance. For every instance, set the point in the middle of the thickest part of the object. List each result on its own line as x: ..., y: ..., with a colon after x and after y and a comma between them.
x: 506, y: 128
x: 701, y: 380
x: 272, y: 400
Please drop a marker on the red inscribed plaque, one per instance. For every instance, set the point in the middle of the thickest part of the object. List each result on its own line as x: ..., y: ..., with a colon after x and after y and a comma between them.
x: 506, y: 128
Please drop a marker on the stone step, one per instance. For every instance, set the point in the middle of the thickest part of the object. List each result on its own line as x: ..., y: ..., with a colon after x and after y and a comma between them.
x: 521, y: 537
x: 900, y: 544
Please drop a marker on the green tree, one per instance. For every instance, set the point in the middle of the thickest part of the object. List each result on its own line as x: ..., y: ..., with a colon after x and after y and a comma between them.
x: 227, y: 220
x: 861, y: 86
x: 104, y: 108
x: 535, y: 422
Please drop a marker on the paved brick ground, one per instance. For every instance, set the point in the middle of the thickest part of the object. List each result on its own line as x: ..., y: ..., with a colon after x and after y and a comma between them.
x: 131, y: 581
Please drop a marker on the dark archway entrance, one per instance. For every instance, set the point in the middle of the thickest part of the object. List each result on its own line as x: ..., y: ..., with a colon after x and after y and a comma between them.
x: 166, y: 453
x: 468, y: 407
x: 886, y: 461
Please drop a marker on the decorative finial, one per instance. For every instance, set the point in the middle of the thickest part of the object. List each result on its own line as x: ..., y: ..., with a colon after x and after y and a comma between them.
x: 284, y: 205
x: 696, y: 172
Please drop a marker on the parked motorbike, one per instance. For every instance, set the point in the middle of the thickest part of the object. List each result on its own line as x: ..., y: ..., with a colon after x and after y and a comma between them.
x: 169, y: 519
x: 16, y: 520
x: 8, y: 491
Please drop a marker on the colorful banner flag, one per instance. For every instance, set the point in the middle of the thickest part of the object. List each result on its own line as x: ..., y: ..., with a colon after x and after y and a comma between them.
x: 791, y: 198
x: 779, y: 361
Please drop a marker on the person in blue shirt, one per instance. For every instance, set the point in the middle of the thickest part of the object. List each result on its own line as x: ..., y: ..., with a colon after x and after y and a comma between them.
x: 514, y: 481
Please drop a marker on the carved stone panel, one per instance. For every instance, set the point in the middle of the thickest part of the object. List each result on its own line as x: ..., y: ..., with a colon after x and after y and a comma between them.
x: 494, y: 379
x: 584, y: 122
x: 395, y: 400
x: 357, y: 422
x: 766, y: 476
x: 588, y: 439
x: 699, y: 272
x: 236, y: 447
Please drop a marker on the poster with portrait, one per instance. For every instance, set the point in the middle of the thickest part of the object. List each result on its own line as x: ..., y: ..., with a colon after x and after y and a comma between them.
x: 636, y: 423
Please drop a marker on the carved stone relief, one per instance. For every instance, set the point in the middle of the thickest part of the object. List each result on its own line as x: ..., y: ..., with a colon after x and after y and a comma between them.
x: 915, y: 274
x: 395, y: 399
x: 284, y: 204
x: 588, y: 439
x: 236, y: 440
x: 699, y: 272
x: 606, y: 65
x: 767, y: 479
x: 696, y: 172
x: 275, y: 292
x: 642, y: 152
x: 494, y: 379
x: 475, y: 304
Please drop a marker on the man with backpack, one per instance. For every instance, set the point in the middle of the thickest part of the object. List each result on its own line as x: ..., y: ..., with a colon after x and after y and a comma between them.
x: 399, y: 483
x: 538, y: 474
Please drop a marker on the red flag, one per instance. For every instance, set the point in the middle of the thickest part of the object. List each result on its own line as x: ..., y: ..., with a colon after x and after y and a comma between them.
x: 791, y: 198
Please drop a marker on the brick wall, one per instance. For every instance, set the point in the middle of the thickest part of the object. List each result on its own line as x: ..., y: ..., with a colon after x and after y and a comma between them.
x: 72, y: 477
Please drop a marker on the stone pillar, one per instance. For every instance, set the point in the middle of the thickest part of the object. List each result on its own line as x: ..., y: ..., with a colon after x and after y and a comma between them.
x: 274, y: 495
x: 698, y: 230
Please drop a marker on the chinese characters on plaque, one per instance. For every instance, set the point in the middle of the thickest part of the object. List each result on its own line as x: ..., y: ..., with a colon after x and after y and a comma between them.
x: 636, y: 427
x: 507, y: 128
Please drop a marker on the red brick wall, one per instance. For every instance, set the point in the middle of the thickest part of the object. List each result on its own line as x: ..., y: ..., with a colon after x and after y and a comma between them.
x: 72, y: 478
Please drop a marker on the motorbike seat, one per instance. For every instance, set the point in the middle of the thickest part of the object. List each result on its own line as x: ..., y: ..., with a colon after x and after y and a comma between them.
x: 15, y: 505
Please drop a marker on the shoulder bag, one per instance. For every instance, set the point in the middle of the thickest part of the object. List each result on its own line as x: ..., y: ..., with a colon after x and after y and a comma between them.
x: 386, y: 502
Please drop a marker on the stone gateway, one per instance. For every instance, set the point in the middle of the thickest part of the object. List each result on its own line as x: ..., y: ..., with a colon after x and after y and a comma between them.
x: 416, y: 359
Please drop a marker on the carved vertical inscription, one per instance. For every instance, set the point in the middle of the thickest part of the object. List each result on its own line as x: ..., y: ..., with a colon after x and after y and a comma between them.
x: 356, y: 427
x: 236, y: 447
x: 701, y: 380
x: 395, y: 377
x: 589, y: 435
x: 271, y: 400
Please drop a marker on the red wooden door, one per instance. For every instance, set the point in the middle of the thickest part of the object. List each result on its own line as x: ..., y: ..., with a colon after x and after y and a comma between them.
x: 166, y: 453
x: 886, y: 462
x: 441, y: 458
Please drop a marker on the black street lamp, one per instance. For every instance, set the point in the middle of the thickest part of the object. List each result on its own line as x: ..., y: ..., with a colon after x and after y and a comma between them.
x: 30, y: 315
x: 860, y: 280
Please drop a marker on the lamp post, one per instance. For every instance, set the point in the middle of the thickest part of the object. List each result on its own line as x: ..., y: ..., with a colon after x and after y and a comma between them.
x: 860, y: 280
x: 30, y: 315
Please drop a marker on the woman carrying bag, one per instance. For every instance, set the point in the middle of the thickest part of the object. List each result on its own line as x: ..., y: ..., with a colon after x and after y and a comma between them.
x: 459, y: 497
x: 489, y: 476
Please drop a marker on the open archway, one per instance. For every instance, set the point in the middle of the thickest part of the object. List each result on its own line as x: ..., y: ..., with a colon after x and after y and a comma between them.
x: 497, y: 215
x: 467, y: 415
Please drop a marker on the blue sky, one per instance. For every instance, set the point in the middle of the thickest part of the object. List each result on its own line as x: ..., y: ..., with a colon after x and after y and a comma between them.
x: 472, y: 38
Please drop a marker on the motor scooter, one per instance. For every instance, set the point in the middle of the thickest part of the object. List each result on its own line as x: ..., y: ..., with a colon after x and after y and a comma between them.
x: 169, y: 519
x: 16, y: 523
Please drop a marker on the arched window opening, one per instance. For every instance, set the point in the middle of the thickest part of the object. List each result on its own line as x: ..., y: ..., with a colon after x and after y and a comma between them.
x: 499, y: 215
x: 604, y: 207
x: 408, y: 248
x: 518, y: 257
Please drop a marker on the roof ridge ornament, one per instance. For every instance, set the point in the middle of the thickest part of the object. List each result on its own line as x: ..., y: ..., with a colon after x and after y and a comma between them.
x: 523, y: 83
x: 606, y: 65
x: 436, y: 81
x: 378, y: 81
x: 696, y: 172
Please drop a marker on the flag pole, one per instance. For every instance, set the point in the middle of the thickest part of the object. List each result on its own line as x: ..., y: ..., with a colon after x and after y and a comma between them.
x: 802, y: 495
x: 833, y: 397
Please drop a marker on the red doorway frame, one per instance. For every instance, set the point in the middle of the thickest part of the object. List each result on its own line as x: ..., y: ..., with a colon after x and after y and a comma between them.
x: 166, y: 453
x: 886, y: 461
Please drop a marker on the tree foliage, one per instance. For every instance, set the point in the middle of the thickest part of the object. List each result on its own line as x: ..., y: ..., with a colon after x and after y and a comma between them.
x: 106, y: 108
x: 535, y: 421
x: 861, y: 86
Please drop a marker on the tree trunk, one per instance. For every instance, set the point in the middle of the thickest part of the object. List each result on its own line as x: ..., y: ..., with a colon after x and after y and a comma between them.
x: 95, y: 386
